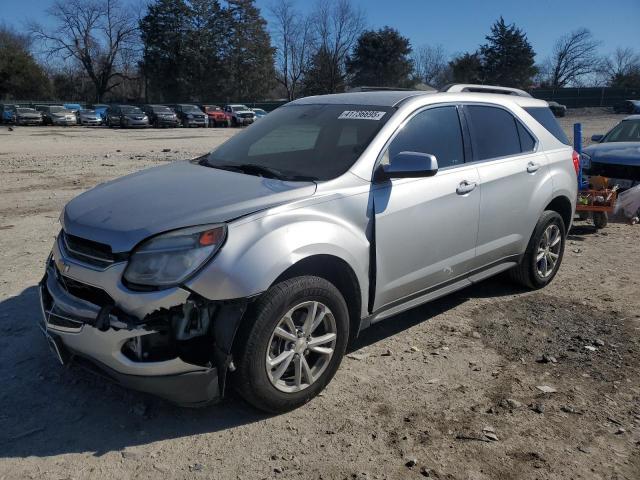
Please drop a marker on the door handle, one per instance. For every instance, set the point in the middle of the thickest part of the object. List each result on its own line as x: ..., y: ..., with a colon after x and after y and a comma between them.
x: 466, y: 187
x: 533, y: 167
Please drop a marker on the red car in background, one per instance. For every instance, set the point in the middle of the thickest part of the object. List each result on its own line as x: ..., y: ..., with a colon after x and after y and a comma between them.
x: 217, y: 116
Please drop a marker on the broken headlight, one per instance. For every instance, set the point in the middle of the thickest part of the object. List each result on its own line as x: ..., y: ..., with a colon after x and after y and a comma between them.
x: 170, y: 258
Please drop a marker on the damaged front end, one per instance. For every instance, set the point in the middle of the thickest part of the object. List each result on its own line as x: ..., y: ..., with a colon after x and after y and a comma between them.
x: 181, y: 352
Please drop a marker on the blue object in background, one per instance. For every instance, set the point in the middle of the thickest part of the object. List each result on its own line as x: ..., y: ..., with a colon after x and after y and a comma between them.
x: 577, y: 146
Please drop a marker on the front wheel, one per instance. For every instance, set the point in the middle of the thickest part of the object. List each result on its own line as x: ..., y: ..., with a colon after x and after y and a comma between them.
x: 295, y: 337
x: 544, y: 252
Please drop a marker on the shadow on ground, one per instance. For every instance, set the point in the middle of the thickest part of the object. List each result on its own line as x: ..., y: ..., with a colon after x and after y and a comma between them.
x: 46, y: 409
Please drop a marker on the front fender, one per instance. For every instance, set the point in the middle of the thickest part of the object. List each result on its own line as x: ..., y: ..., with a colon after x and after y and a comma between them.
x: 257, y: 252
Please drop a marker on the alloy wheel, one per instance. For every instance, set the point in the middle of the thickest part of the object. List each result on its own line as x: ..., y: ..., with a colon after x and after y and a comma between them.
x: 548, y: 251
x: 301, y: 346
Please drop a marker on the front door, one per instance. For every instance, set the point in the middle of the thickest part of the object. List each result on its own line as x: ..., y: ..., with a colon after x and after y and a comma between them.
x: 426, y: 228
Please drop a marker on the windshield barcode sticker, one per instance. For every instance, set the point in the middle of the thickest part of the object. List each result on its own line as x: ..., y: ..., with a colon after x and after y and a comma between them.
x: 361, y: 115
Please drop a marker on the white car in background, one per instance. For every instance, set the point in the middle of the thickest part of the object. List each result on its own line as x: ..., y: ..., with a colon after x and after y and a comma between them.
x: 240, y: 115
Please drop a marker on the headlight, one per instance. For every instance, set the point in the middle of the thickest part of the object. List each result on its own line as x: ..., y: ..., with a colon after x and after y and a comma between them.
x: 170, y: 258
x: 585, y: 160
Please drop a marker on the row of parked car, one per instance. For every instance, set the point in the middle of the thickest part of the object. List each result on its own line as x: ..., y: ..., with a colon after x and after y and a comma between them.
x: 130, y: 116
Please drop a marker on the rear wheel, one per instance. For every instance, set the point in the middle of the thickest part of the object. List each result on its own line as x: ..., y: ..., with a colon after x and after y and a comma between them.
x: 544, y: 253
x: 293, y: 345
x: 600, y: 219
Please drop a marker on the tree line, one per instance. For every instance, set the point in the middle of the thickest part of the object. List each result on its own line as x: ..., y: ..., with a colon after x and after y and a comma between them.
x: 202, y: 50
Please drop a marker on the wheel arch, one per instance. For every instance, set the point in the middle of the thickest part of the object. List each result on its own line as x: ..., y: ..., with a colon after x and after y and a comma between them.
x: 336, y: 271
x: 562, y: 205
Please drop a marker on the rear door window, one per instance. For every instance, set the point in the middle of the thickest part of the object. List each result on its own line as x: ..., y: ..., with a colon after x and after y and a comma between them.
x: 494, y: 132
x: 545, y: 117
x: 435, y: 131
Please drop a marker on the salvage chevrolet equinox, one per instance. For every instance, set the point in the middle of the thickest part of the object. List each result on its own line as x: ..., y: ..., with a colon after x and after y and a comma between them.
x: 252, y: 267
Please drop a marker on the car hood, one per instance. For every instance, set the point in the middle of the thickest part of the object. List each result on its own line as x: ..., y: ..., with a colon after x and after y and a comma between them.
x: 125, y: 211
x: 618, y: 153
x: 245, y: 111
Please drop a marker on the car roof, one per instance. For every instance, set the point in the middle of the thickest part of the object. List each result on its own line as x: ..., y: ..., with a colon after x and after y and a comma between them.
x: 383, y: 98
x: 393, y: 98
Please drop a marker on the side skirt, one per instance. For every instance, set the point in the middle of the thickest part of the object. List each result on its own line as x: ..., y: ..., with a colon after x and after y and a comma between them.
x: 440, y: 290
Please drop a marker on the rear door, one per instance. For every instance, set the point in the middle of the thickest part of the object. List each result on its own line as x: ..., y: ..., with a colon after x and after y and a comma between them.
x: 425, y: 228
x: 514, y: 181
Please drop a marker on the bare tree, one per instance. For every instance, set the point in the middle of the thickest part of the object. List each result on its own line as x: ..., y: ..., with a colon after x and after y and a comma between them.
x: 623, y: 61
x: 338, y: 24
x: 293, y: 35
x: 430, y: 65
x: 574, y: 57
x: 98, y: 34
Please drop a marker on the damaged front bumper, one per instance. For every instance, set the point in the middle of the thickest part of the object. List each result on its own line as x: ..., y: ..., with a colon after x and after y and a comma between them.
x: 169, y: 343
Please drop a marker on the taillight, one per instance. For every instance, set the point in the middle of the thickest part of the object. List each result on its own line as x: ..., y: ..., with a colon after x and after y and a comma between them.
x: 576, y: 161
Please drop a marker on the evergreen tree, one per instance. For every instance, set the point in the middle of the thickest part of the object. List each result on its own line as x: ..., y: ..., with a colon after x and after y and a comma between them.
x: 507, y: 58
x: 20, y: 76
x: 466, y: 68
x: 320, y: 77
x: 249, y: 62
x: 205, y: 49
x: 164, y: 34
x: 381, y: 59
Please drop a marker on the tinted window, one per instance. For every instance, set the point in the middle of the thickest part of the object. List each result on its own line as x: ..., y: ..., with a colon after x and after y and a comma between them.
x: 527, y: 142
x: 435, y: 131
x: 130, y: 110
x: 545, y: 117
x: 625, y: 131
x: 494, y: 132
x: 312, y: 141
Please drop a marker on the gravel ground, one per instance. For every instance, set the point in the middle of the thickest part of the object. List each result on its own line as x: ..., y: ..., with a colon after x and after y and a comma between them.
x: 448, y: 390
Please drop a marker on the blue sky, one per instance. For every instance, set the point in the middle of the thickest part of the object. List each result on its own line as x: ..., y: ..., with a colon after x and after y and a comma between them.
x: 459, y: 25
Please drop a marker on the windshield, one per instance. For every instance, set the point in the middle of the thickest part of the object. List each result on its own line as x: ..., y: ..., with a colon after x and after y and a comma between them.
x: 131, y: 110
x: 190, y: 109
x: 318, y: 142
x: 56, y: 109
x: 239, y: 108
x: 259, y: 110
x: 26, y: 110
x: 162, y: 110
x: 626, y: 131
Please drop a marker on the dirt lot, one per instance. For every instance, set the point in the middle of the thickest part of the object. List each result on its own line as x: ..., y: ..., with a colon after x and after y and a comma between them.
x: 451, y: 386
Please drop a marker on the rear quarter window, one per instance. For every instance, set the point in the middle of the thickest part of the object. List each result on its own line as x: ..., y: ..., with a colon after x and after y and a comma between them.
x: 494, y: 132
x: 545, y: 117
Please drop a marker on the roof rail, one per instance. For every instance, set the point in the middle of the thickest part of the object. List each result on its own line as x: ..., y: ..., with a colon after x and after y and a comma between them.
x: 469, y: 87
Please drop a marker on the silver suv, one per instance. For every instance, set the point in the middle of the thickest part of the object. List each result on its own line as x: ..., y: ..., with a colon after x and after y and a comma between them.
x: 254, y: 265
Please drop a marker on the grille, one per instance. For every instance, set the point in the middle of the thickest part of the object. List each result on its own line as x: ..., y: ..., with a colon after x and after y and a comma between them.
x: 246, y: 115
x: 80, y: 290
x: 88, y: 251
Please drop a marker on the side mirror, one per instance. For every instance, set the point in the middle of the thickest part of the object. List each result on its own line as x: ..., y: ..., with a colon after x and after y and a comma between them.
x: 596, y: 138
x: 409, y: 165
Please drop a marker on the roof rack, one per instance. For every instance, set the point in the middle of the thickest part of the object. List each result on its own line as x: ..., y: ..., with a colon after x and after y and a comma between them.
x: 469, y: 87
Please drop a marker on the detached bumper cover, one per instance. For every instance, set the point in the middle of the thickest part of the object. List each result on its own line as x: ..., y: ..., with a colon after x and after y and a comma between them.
x: 76, y: 324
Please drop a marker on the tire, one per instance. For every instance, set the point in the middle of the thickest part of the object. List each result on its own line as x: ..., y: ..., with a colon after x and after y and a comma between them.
x: 251, y: 378
x: 527, y: 273
x: 600, y: 219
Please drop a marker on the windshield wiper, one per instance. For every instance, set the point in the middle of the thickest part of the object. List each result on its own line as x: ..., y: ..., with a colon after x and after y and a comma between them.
x: 262, y: 171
